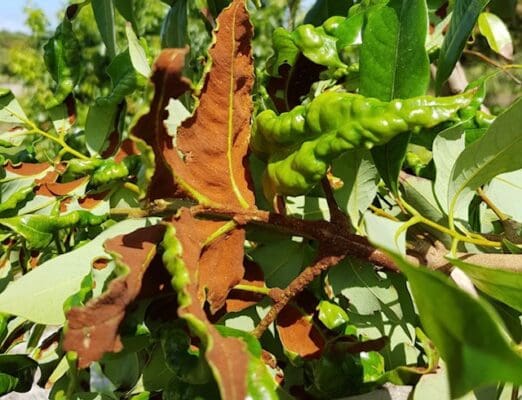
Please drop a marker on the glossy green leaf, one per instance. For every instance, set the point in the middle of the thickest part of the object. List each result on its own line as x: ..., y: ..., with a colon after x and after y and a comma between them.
x: 61, y: 55
x: 496, y: 33
x: 466, y: 330
x: 396, y: 33
x: 16, y: 373
x: 104, y: 16
x: 360, y: 178
x: 324, y: 9
x: 502, y: 282
x: 126, y: 9
x: 494, y: 153
x: 463, y: 19
x: 56, y: 280
x: 331, y: 315
x: 101, y: 120
x: 174, y: 32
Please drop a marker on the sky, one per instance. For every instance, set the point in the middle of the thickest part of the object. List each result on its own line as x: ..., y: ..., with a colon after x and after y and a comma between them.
x: 12, y: 15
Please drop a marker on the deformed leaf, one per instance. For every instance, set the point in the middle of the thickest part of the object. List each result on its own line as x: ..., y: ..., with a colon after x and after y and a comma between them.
x: 61, y: 55
x: 207, y: 155
x: 466, y: 330
x: 228, y: 357
x: 38, y: 230
x: 59, y: 278
x: 93, y: 330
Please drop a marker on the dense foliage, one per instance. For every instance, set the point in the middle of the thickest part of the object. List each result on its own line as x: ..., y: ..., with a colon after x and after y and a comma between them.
x: 197, y: 205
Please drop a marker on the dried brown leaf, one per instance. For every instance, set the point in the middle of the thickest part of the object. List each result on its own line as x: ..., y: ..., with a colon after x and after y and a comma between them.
x: 208, y: 154
x: 93, y: 330
x: 227, y: 357
x: 298, y: 333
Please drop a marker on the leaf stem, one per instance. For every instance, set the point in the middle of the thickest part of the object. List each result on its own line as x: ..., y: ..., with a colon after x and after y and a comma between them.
x: 501, y: 216
x: 34, y: 129
x: 457, y: 237
x: 252, y: 289
x: 227, y: 227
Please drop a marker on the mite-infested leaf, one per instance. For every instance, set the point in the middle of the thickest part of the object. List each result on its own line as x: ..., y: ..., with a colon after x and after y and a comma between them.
x: 207, y: 154
x: 93, y: 330
x: 228, y: 357
x: 59, y: 278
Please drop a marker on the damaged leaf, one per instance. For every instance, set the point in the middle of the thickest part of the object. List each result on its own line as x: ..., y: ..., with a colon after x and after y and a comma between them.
x: 93, y: 329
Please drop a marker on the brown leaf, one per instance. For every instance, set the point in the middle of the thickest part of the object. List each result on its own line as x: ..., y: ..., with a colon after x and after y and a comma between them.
x: 221, y: 268
x: 169, y: 83
x: 239, y: 300
x: 93, y: 330
x: 298, y: 334
x: 208, y: 158
x: 27, y: 169
x: 52, y: 189
x: 227, y: 357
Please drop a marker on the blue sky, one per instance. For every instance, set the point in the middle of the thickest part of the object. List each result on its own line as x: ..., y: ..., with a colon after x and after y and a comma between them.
x: 12, y: 15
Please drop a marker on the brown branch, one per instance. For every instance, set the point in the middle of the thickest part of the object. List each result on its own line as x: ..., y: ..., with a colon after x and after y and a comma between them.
x: 326, y: 233
x: 297, y: 286
x: 337, y: 217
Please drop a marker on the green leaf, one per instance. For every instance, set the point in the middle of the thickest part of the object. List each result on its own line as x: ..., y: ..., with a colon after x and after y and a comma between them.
x: 466, y: 330
x: 494, y: 153
x: 102, y: 116
x: 502, y: 282
x: 137, y: 53
x: 463, y: 19
x: 10, y: 110
x: 385, y: 233
x: 174, y: 32
x: 496, y: 33
x: 61, y: 55
x: 324, y: 9
x: 16, y: 373
x: 378, y: 305
x: 126, y: 9
x: 280, y: 261
x: 61, y: 118
x: 447, y: 147
x: 505, y: 191
x: 56, y: 280
x: 104, y: 16
x: 396, y: 33
x: 331, y: 315
x: 360, y: 178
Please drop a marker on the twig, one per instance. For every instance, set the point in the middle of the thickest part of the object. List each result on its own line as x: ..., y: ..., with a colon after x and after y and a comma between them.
x: 337, y: 217
x: 326, y: 233
x: 493, y: 63
x: 501, y: 216
x: 297, y: 286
